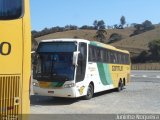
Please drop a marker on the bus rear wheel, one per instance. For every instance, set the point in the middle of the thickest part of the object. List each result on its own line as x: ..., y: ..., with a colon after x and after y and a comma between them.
x: 120, y: 86
x: 90, y: 92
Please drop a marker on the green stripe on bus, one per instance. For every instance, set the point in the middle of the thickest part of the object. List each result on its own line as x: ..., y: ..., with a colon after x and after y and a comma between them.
x: 93, y: 43
x: 56, y: 84
x: 104, y: 73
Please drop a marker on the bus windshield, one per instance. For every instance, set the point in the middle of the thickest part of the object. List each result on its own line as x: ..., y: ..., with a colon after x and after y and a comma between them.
x: 54, y: 61
x: 10, y: 9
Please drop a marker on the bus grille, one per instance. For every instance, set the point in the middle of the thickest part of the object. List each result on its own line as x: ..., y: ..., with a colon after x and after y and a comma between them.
x: 9, y: 97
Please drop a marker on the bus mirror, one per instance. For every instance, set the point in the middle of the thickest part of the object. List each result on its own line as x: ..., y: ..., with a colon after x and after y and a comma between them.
x: 75, y: 57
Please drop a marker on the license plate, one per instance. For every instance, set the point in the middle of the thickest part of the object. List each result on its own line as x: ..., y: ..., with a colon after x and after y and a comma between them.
x: 44, y: 84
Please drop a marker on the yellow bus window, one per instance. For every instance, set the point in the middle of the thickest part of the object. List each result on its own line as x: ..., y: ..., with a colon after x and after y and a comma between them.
x: 10, y: 9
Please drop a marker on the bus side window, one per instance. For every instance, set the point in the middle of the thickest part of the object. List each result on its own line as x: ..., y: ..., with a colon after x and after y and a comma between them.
x: 109, y: 57
x: 93, y: 53
x: 128, y: 60
x: 82, y: 59
x: 102, y: 55
x: 115, y: 58
x: 112, y: 57
x: 119, y: 58
x: 98, y: 55
x: 90, y: 56
x: 123, y: 58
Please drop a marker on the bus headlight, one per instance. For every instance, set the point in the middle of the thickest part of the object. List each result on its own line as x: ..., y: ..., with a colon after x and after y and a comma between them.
x: 35, y: 84
x: 69, y: 85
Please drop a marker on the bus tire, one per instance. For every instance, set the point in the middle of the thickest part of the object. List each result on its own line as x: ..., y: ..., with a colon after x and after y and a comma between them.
x: 90, y: 92
x: 120, y: 86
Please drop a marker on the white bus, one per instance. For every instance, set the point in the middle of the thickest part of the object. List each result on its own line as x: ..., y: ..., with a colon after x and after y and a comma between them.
x: 76, y: 67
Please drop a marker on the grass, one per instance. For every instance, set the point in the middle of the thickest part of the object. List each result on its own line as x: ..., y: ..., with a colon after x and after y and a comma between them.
x: 85, y: 34
x: 139, y: 41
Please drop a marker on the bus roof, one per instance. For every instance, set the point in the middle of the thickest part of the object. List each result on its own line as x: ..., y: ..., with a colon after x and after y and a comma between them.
x: 95, y: 43
x: 66, y: 40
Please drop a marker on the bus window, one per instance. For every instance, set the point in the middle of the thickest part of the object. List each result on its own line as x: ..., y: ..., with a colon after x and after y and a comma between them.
x: 128, y: 60
x: 93, y: 54
x: 119, y: 58
x: 109, y: 57
x: 116, y: 58
x: 103, y: 55
x: 10, y: 9
x: 112, y: 57
x: 81, y: 69
x: 98, y: 55
x: 90, y: 54
x: 123, y: 58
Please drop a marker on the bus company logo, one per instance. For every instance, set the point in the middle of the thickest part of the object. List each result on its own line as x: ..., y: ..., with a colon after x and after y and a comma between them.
x: 117, y: 68
x: 5, y: 48
x: 81, y: 90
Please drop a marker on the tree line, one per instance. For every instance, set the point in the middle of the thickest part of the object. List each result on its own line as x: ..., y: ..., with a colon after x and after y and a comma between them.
x: 97, y: 25
x: 101, y: 27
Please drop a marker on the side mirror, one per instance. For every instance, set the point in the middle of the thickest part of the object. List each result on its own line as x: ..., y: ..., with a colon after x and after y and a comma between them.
x: 75, y: 58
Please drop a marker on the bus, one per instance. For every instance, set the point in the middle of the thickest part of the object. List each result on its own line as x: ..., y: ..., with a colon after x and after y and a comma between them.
x: 15, y: 60
x: 74, y: 68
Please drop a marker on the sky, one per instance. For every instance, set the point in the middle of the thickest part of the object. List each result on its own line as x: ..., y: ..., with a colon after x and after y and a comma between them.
x: 51, y: 13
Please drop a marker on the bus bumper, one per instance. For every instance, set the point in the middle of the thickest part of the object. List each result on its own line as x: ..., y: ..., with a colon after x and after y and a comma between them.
x: 64, y: 92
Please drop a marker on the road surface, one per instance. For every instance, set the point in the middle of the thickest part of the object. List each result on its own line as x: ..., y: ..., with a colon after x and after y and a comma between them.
x: 141, y: 96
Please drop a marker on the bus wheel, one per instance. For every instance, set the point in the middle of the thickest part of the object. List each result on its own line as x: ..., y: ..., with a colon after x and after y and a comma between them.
x: 90, y: 92
x: 120, y: 86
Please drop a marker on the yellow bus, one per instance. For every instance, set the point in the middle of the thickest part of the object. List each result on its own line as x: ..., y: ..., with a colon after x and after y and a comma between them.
x: 15, y: 49
x: 76, y: 67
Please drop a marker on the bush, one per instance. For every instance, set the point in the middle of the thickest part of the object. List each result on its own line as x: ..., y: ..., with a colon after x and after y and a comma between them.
x: 115, y: 37
x: 154, y: 48
x: 141, y: 28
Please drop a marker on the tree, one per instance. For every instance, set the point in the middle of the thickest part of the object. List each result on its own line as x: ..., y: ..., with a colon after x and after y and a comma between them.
x: 99, y: 24
x: 116, y: 26
x: 147, y: 25
x: 86, y: 27
x: 122, y: 21
x: 154, y: 48
x: 114, y: 37
x: 100, y: 35
x: 141, y: 28
x: 95, y: 24
x: 71, y: 27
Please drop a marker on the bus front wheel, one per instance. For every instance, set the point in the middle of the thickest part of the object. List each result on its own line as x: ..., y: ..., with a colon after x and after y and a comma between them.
x: 90, y: 92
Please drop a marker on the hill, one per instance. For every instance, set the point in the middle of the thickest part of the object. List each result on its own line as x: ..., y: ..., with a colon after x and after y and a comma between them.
x: 85, y: 34
x: 138, y: 43
x: 135, y: 44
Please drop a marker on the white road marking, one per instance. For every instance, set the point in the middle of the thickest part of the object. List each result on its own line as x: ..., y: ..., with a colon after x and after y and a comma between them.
x: 158, y: 76
x: 144, y: 75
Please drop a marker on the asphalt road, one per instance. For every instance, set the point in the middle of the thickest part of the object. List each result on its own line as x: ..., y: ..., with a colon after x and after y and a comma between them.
x: 140, y: 96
